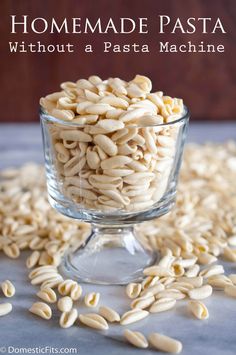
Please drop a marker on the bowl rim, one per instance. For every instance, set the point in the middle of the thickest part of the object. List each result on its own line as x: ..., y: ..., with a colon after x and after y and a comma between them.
x: 44, y: 115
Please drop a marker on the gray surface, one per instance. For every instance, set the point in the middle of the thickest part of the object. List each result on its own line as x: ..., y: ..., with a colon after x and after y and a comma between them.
x: 21, y: 143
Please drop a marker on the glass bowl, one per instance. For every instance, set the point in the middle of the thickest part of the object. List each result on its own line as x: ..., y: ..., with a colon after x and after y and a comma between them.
x: 112, y: 178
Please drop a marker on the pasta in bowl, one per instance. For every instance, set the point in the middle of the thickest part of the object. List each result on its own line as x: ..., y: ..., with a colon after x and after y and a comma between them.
x: 112, y: 151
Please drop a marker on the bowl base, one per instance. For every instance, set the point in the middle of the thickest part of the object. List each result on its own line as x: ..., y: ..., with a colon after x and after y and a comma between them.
x: 110, y: 256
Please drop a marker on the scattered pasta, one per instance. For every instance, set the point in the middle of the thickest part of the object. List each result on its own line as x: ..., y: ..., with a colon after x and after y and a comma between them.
x: 193, y: 234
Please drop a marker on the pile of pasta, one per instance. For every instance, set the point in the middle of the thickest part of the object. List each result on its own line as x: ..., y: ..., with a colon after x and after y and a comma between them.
x: 119, y: 148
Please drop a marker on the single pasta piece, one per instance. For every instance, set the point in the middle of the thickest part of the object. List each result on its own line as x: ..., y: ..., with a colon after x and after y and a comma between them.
x: 5, y: 308
x: 198, y: 309
x: 136, y: 338
x: 76, y: 292
x: 48, y: 295
x: 109, y: 314
x: 161, y: 305
x: 33, y: 259
x: 165, y: 343
x: 133, y: 316
x: 41, y: 309
x: 65, y: 304
x: 91, y: 299
x: 196, y: 281
x: 67, y: 319
x: 11, y: 250
x: 200, y: 292
x: 8, y: 288
x: 192, y: 271
x: 133, y: 290
x: 93, y: 320
x: 170, y: 293
x: 211, y: 271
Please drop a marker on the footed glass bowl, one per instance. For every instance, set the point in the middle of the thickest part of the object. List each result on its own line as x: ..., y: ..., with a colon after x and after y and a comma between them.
x: 112, y: 178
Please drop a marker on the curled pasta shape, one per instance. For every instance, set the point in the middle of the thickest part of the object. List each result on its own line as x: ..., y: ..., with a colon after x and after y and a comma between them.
x: 42, y: 270
x: 114, y: 113
x: 134, y: 91
x: 106, y: 144
x: 11, y: 250
x: 110, y: 125
x: 41, y: 309
x: 75, y: 136
x: 63, y: 153
x: 136, y: 338
x: 91, y: 299
x: 93, y: 159
x: 66, y: 115
x: 126, y: 149
x: 116, y: 196
x: 85, y: 84
x: 65, y: 287
x: 48, y: 295
x: 98, y: 108
x: 8, y: 288
x: 71, y: 288
x: 198, y: 309
x: 105, y: 181
x: 93, y: 320
x: 143, y: 82
x: 150, y: 141
x: 33, y: 259
x: 118, y: 161
x: 143, y: 301
x: 74, y: 166
x: 109, y: 314
x: 118, y: 172
x: 67, y: 319
x: 133, y: 316
x: 66, y: 103
x: 78, y: 191
x: 95, y: 79
x: 47, y: 276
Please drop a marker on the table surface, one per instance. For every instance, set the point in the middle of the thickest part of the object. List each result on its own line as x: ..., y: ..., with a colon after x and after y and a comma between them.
x: 19, y: 329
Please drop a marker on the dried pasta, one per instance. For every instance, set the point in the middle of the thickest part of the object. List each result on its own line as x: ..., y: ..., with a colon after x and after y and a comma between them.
x: 8, y: 288
x: 119, y: 125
